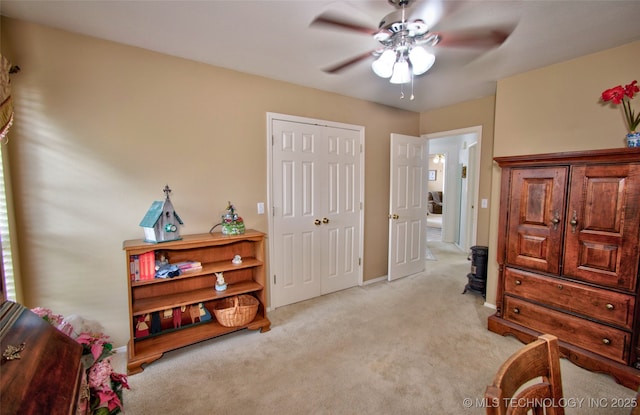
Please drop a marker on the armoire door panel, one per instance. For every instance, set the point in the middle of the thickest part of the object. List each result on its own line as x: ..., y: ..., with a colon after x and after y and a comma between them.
x: 603, y: 225
x: 535, y: 218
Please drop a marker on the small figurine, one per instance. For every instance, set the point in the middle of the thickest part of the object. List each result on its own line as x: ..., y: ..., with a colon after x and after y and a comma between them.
x: 194, y: 313
x: 237, y: 260
x: 199, y: 312
x: 142, y: 328
x: 205, y: 315
x: 221, y: 285
x: 177, y: 317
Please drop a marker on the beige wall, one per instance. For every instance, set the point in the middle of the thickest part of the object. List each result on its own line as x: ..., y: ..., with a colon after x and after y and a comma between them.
x: 469, y: 114
x: 556, y: 109
x: 101, y: 128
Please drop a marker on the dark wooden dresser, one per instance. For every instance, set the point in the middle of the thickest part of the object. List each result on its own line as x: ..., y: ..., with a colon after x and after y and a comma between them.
x: 568, y: 256
x: 46, y: 378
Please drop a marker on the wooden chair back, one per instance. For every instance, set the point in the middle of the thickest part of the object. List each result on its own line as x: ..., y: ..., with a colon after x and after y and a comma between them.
x: 529, y: 382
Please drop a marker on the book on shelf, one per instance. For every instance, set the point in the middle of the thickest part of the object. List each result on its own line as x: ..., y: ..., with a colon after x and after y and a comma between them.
x: 147, y: 266
x: 189, y: 266
x: 134, y: 267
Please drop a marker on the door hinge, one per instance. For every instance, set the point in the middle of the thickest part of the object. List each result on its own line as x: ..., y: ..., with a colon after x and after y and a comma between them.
x: 359, y: 261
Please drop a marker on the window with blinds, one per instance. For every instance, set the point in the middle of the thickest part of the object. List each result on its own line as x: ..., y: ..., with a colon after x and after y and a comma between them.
x: 6, y: 265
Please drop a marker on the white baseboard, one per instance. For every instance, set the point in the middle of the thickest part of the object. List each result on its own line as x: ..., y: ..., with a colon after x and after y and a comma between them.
x: 489, y: 305
x: 121, y: 349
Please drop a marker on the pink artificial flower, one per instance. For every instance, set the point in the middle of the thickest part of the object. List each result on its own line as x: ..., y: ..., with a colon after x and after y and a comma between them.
x: 95, y: 341
x: 47, y: 314
x: 109, y: 399
x: 100, y: 375
x: 121, y: 379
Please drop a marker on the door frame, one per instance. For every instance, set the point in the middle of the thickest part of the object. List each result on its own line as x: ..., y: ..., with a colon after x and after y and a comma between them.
x: 471, y: 212
x: 269, y: 208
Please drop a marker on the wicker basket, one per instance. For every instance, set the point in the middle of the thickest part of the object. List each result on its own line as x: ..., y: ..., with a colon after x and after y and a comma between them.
x: 236, y: 311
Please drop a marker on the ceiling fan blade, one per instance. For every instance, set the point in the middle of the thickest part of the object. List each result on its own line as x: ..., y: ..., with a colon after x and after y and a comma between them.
x: 479, y: 38
x: 339, y: 22
x: 432, y: 11
x: 343, y: 65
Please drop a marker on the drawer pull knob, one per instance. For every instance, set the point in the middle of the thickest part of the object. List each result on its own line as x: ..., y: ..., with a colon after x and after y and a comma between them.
x: 606, y: 341
x: 560, y: 286
x: 610, y: 307
x: 516, y: 310
x: 518, y: 282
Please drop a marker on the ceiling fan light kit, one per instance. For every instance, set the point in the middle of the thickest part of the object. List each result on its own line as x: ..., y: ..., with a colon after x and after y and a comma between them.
x: 404, y: 51
x: 401, y: 72
x: 400, y: 66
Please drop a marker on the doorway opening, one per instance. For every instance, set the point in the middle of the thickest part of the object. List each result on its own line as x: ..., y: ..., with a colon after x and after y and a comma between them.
x: 454, y: 166
x: 435, y: 195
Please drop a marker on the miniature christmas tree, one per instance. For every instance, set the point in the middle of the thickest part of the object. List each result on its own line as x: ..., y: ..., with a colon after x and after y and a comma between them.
x: 232, y: 223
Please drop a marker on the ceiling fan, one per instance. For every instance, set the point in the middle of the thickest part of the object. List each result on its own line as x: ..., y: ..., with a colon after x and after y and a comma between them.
x: 405, y: 43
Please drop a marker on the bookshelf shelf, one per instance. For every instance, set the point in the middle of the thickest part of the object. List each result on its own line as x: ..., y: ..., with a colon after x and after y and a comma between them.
x: 207, y: 269
x: 184, y: 298
x: 169, y: 302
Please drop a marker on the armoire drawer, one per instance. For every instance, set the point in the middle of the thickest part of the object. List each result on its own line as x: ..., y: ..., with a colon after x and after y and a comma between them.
x: 604, y: 340
x: 606, y: 306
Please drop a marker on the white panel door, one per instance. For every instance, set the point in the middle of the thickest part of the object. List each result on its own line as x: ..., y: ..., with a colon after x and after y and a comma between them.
x: 340, y: 207
x: 316, y: 210
x: 407, y: 206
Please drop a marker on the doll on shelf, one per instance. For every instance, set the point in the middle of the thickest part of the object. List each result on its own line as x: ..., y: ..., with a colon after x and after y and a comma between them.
x: 142, y: 326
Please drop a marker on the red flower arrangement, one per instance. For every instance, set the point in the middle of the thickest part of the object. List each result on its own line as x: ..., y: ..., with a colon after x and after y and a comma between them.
x: 619, y: 95
x: 102, y: 387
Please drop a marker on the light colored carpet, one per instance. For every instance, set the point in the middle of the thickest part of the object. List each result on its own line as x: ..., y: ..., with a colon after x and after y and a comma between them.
x: 412, y: 346
x: 434, y: 234
x: 434, y: 220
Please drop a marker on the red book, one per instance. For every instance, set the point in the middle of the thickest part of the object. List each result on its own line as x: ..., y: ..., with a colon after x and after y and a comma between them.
x: 147, y: 266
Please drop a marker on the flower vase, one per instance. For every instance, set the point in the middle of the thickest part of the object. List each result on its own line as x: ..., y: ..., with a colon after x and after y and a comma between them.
x: 633, y: 140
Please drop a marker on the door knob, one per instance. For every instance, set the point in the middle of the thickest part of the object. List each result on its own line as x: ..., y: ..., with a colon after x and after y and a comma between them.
x: 325, y: 220
x: 555, y: 220
x: 394, y: 216
x: 317, y: 222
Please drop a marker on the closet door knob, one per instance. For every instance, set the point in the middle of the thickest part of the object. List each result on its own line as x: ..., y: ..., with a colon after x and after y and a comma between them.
x: 325, y: 220
x: 317, y: 222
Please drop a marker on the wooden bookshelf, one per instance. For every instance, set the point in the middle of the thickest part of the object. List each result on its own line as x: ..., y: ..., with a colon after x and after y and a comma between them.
x: 215, y: 251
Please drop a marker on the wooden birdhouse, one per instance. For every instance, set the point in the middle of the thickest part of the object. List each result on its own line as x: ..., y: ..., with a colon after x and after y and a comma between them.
x: 161, y: 222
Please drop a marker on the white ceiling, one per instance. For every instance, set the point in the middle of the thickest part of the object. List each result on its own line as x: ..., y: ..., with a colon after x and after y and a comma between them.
x: 274, y: 39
